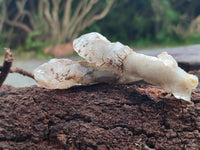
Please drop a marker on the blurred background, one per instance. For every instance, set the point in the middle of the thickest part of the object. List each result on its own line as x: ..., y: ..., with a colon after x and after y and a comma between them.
x: 46, y: 28
x: 33, y: 25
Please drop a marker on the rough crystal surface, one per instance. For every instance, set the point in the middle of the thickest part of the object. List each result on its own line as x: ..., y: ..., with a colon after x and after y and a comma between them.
x: 162, y: 70
x: 115, y: 62
x: 59, y: 73
x: 96, y: 49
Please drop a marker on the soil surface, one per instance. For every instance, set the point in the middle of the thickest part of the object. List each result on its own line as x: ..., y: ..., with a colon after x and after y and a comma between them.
x: 101, y: 116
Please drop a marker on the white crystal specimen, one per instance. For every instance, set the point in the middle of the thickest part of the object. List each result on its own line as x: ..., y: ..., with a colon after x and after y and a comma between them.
x: 162, y: 71
x: 131, y: 66
x: 96, y: 49
x: 65, y: 73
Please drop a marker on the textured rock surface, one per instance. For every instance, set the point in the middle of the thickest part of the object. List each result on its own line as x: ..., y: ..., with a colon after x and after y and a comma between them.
x: 102, y: 116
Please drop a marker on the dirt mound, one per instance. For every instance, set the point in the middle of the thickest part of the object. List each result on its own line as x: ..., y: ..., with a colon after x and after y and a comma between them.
x: 101, y: 116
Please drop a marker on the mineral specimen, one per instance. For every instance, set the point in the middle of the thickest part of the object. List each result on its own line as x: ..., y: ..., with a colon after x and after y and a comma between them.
x: 115, y: 62
x: 162, y: 70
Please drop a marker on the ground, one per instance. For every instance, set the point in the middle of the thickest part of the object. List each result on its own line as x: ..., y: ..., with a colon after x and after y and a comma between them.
x: 101, y: 116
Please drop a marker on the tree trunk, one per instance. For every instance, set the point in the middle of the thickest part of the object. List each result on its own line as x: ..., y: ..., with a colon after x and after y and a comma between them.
x: 101, y: 116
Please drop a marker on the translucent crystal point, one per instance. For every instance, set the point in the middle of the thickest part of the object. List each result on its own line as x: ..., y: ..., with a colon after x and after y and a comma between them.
x: 59, y: 74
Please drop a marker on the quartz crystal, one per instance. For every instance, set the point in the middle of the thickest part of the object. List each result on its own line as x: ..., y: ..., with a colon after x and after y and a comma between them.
x: 116, y: 63
x: 65, y: 73
x: 162, y: 70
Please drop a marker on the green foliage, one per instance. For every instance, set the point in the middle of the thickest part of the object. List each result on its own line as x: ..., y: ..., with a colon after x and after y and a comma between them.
x: 107, y: 1
x: 1, y: 1
x: 2, y: 44
x: 141, y: 43
x: 1, y: 49
x: 193, y: 39
x: 33, y: 42
x: 128, y: 22
x: 146, y: 22
x: 138, y: 23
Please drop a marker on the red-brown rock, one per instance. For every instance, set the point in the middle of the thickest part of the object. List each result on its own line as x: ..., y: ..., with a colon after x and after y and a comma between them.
x: 61, y: 50
x: 101, y: 116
